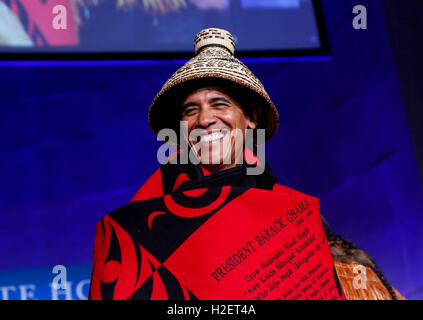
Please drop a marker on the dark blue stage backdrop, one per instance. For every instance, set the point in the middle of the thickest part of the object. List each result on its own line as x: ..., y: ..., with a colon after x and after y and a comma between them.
x: 75, y: 144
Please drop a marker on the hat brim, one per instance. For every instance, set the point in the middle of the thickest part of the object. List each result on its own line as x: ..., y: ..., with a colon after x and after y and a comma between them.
x: 165, y: 111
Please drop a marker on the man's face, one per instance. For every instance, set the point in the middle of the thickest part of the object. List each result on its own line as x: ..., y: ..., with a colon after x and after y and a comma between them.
x: 216, y: 127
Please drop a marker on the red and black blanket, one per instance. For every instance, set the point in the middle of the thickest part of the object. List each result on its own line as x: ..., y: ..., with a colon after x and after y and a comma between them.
x: 189, y: 234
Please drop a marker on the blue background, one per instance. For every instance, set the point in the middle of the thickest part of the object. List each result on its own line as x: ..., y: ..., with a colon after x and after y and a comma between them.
x: 75, y: 144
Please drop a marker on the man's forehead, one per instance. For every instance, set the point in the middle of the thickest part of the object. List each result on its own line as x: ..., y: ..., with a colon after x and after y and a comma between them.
x: 211, y: 91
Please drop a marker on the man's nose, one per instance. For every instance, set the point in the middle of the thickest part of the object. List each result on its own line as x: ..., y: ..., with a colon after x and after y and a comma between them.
x: 206, y: 117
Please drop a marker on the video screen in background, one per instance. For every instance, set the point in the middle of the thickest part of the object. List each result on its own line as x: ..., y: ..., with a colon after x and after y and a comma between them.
x: 149, y: 26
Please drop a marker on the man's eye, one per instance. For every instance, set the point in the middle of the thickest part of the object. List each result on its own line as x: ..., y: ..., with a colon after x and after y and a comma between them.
x: 188, y: 110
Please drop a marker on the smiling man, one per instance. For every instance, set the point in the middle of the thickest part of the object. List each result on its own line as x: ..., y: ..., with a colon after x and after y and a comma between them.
x: 209, y: 228
x: 220, y: 124
x: 224, y: 108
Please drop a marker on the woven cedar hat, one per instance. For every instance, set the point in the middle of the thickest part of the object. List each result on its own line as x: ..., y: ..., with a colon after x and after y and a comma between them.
x: 214, y: 64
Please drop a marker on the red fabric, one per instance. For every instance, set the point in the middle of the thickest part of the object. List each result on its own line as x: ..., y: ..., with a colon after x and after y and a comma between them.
x: 240, y: 233
x: 151, y: 189
x: 217, y: 242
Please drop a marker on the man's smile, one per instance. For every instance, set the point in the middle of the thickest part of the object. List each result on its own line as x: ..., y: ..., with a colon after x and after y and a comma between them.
x: 213, y: 136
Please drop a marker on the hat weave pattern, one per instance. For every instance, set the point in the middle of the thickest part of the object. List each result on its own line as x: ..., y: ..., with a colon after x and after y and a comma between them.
x: 215, y: 60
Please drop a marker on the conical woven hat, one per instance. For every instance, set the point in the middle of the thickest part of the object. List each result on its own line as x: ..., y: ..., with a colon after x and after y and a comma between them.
x: 214, y: 64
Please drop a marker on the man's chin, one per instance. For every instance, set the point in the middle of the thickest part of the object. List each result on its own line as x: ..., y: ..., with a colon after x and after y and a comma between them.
x: 217, y: 167
x: 216, y: 160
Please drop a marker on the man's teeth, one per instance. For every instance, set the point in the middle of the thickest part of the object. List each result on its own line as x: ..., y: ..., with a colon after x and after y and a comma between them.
x: 212, y: 137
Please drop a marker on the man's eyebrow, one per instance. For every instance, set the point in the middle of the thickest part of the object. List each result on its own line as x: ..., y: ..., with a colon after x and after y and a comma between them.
x: 212, y: 100
x: 188, y: 104
x: 219, y: 99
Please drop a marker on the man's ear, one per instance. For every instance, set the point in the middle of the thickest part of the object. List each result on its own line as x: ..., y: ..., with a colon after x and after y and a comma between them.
x: 252, y: 123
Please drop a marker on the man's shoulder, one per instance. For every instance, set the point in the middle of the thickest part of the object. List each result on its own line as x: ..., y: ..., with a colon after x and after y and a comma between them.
x: 134, y: 212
